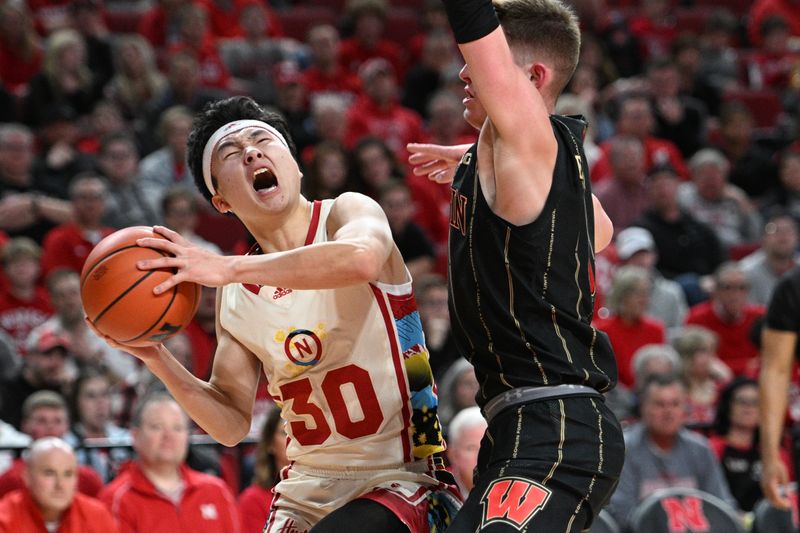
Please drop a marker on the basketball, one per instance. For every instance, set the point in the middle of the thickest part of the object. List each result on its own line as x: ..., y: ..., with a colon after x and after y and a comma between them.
x: 118, y: 298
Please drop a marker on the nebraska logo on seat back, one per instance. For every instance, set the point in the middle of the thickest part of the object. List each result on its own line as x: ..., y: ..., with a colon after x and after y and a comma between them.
x: 514, y: 501
x: 685, y: 515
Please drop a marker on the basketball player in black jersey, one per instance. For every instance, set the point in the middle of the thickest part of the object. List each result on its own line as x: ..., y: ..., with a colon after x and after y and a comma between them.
x: 524, y: 229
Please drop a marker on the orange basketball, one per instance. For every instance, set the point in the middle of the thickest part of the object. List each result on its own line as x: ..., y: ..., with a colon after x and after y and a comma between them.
x: 118, y: 298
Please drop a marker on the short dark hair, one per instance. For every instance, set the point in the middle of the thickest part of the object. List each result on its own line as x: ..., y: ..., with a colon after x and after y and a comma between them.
x: 547, y: 28
x: 660, y: 380
x: 722, y: 418
x: 215, y: 115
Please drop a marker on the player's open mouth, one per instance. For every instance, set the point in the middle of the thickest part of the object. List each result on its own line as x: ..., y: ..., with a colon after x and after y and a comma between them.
x: 264, y: 180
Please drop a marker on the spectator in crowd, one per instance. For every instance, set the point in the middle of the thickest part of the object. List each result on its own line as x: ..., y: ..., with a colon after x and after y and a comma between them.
x: 635, y: 117
x: 703, y: 372
x: 661, y: 453
x: 457, y: 390
x: 180, y: 208
x: 735, y: 441
x: 137, y: 83
x: 718, y: 61
x: 328, y: 172
x: 202, y: 334
x: 59, y: 157
x: 711, y: 199
x: 254, y: 502
x: 760, y: 10
x: 25, y: 210
x: 88, y: 18
x: 786, y: 194
x: 426, y: 77
x: 635, y: 246
x: 65, y: 79
x: 291, y: 100
x: 776, y: 256
x: 752, y: 167
x: 679, y: 118
x: 326, y: 73
x: 464, y: 434
x: 166, y: 166
x: 159, y: 24
x: 195, y: 39
x: 416, y: 248
x: 251, y: 56
x: 118, y: 161
x: 378, y: 111
x: 687, y: 248
x: 654, y: 360
x: 68, y: 322
x: 42, y: 369
x: 628, y: 326
x: 68, y: 245
x: 654, y: 26
x: 772, y: 66
x: 49, y: 501
x: 431, y: 294
x: 368, y: 22
x: 158, y: 492
x: 24, y: 304
x: 106, y: 118
x: 623, y: 193
x: 375, y: 165
x: 44, y: 414
x: 21, y: 53
x: 90, y: 405
x: 730, y: 315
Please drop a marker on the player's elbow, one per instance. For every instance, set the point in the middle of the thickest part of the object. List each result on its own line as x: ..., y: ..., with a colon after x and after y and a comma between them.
x: 366, y: 263
x: 232, y: 436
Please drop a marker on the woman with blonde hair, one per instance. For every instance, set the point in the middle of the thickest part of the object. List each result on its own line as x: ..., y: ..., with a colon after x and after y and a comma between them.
x: 704, y: 373
x: 137, y: 81
x: 65, y: 80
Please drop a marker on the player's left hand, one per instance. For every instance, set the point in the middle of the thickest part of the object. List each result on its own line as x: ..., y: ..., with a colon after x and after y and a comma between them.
x: 437, y: 162
x: 192, y: 262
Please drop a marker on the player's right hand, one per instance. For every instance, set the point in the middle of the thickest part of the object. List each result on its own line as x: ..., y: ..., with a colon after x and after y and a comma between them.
x: 144, y: 353
x: 437, y: 162
x: 774, y: 481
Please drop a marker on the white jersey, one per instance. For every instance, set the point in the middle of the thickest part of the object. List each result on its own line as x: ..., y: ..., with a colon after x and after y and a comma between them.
x: 348, y: 367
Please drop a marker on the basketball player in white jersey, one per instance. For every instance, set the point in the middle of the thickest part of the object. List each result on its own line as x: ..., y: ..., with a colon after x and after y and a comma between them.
x: 322, y: 304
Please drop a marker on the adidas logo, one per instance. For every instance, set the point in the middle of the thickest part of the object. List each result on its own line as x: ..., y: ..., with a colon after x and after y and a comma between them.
x: 280, y: 293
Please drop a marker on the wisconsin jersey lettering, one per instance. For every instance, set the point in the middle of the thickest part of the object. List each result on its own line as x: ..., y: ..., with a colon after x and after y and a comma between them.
x: 325, y: 353
x: 513, y: 501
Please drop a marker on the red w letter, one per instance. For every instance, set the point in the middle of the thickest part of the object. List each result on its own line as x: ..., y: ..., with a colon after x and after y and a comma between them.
x: 685, y: 514
x: 513, y: 501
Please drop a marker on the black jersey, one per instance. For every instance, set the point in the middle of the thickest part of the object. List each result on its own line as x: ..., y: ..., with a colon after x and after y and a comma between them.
x: 522, y: 297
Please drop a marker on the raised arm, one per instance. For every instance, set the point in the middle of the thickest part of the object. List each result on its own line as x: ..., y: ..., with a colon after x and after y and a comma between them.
x: 357, y: 253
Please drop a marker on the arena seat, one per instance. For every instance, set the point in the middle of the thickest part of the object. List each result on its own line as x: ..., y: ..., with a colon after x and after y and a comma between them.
x: 770, y: 519
x: 123, y: 20
x: 603, y: 523
x: 765, y: 104
x: 402, y: 23
x: 682, y: 510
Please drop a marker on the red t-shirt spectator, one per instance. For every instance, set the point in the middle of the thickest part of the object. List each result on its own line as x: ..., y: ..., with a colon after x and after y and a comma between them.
x: 395, y: 125
x: 19, y: 514
x: 735, y: 348
x: 352, y: 55
x: 66, y: 246
x: 89, y: 482
x: 763, y: 9
x: 656, y: 151
x: 225, y: 23
x: 213, y: 72
x: 254, y: 503
x: 341, y: 81
x: 627, y: 338
x: 206, y: 504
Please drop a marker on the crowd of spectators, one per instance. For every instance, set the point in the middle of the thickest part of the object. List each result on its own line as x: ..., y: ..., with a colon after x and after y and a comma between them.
x: 694, y: 112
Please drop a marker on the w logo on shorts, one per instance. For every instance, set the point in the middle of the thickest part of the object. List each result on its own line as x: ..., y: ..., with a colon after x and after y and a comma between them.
x: 514, y: 501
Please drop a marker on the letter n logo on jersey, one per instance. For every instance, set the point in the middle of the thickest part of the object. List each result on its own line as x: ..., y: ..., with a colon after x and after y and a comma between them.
x: 685, y: 515
x: 514, y: 501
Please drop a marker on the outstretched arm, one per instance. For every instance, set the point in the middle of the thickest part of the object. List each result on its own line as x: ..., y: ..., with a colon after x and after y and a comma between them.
x: 357, y: 253
x: 437, y: 162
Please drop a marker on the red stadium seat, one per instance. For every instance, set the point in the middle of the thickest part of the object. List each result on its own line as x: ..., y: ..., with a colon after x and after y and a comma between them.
x: 692, y: 19
x: 603, y: 523
x: 123, y: 20
x: 685, y: 510
x: 402, y: 23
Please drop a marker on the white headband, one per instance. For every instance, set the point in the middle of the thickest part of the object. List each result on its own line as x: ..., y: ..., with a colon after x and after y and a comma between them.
x: 227, y: 129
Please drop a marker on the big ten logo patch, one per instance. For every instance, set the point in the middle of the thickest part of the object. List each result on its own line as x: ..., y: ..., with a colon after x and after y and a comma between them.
x: 302, y: 347
x: 513, y: 501
x: 685, y: 515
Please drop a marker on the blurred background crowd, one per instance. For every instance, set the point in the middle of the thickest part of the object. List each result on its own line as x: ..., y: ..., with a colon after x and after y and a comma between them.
x: 694, y: 112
